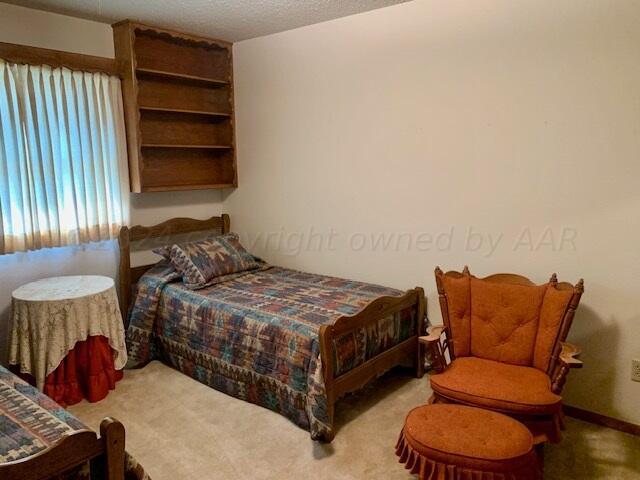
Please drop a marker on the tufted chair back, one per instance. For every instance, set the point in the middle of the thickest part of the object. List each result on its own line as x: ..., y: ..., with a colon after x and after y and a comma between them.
x: 506, y: 317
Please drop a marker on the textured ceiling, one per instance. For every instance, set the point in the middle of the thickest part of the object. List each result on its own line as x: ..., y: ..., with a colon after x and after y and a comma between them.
x: 231, y: 20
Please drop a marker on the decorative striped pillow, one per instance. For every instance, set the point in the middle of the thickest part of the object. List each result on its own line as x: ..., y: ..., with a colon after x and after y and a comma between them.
x: 202, y: 263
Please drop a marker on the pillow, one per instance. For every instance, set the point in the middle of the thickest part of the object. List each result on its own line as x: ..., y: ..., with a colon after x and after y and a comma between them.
x: 202, y: 263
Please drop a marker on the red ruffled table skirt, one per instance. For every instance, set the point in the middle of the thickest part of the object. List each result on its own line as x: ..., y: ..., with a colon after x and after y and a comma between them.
x: 86, y: 372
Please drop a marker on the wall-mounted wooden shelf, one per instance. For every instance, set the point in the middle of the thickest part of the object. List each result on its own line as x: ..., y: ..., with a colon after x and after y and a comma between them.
x: 178, y: 99
x: 171, y: 188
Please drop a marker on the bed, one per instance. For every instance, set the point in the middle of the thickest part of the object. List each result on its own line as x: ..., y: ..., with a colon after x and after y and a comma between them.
x: 290, y: 341
x: 41, y: 440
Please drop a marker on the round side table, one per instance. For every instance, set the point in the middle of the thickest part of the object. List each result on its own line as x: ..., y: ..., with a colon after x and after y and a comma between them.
x: 67, y: 336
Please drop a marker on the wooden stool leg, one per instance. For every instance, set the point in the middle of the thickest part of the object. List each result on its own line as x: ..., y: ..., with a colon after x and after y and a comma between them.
x: 112, y: 436
x: 418, y: 361
x: 540, y: 457
x: 419, y: 357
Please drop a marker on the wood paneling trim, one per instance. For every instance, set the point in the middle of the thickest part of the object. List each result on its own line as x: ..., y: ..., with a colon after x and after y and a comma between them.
x: 232, y: 102
x: 173, y: 33
x: 123, y: 40
x: 14, y: 53
x: 602, y: 420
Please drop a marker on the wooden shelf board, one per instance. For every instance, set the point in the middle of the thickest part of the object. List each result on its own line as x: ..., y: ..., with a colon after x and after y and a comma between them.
x: 182, y: 76
x: 164, y: 188
x: 180, y: 110
x: 169, y: 145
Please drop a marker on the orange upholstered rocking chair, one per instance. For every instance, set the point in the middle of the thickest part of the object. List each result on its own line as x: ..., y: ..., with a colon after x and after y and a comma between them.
x: 502, y: 346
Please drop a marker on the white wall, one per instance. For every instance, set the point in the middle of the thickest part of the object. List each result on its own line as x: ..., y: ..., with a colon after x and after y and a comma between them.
x: 428, y: 116
x: 36, y: 28
x: 47, y: 30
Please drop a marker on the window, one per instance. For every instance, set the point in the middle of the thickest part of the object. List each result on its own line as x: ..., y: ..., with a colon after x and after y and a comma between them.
x: 62, y: 157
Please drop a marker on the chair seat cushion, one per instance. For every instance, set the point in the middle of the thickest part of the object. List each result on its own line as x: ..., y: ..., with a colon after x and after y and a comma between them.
x: 447, y: 437
x: 499, y: 386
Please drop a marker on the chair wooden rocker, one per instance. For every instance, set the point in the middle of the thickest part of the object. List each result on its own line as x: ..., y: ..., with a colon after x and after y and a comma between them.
x: 502, y: 346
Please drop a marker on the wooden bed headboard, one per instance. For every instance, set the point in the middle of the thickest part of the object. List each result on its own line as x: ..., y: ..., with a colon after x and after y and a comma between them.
x: 127, y: 275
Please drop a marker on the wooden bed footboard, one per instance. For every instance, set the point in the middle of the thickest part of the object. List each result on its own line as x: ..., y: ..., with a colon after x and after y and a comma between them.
x: 339, y: 385
x: 71, y: 451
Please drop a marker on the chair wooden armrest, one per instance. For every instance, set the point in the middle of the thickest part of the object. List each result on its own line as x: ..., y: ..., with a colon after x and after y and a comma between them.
x: 567, y: 359
x: 436, y: 346
x: 568, y: 355
x: 434, y: 334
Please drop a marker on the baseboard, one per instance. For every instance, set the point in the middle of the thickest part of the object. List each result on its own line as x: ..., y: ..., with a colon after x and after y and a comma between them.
x: 599, y: 419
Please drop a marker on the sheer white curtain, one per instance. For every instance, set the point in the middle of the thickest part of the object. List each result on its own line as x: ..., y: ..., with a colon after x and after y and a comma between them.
x: 63, y: 161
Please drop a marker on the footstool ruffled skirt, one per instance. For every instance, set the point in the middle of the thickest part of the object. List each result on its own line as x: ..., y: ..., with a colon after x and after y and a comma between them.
x: 455, y: 442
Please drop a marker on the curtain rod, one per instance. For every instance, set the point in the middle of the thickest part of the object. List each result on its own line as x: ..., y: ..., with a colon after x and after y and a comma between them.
x: 15, y: 53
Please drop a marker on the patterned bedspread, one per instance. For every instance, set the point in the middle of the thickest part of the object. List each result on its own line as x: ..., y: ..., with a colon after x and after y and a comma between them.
x: 256, y: 336
x: 30, y: 422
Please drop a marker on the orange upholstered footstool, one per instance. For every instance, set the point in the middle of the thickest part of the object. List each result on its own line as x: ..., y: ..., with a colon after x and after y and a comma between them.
x: 456, y: 442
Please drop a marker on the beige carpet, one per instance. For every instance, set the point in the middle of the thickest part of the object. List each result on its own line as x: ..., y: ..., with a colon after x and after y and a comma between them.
x: 178, y: 428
